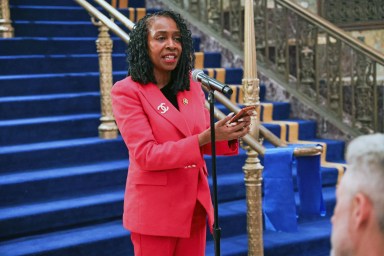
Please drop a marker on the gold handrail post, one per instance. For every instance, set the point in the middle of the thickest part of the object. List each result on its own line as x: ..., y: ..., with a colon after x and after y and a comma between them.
x: 108, y: 128
x: 6, y: 29
x: 252, y: 168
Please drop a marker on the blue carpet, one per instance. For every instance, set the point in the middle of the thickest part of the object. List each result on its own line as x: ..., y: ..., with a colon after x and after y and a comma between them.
x: 62, y: 187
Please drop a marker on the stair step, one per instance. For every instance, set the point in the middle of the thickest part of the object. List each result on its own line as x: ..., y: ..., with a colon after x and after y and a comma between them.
x: 307, y: 128
x: 68, y: 13
x: 281, y: 110
x: 232, y: 214
x: 336, y: 149
x: 60, y: 154
x: 57, y: 13
x: 55, y: 45
x: 56, y: 214
x: 232, y: 218
x: 132, y: 3
x: 48, y: 128
x: 48, y: 184
x: 232, y: 75
x: 61, y: 45
x: 55, y: 29
x: 45, y: 2
x: 32, y: 64
x: 96, y: 240
x: 311, y: 239
x: 59, y: 83
x: 49, y: 105
x: 231, y: 167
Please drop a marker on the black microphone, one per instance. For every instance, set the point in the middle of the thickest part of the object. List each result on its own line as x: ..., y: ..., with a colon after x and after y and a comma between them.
x: 199, y: 76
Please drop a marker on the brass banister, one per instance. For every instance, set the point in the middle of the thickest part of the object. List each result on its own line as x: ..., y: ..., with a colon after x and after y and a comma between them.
x: 334, y: 31
x: 116, y: 14
x: 104, y: 19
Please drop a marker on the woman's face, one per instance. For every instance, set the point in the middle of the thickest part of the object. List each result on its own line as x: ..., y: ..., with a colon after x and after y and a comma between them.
x: 164, y: 45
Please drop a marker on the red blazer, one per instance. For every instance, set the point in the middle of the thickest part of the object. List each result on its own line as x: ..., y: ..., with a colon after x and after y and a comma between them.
x: 165, y: 157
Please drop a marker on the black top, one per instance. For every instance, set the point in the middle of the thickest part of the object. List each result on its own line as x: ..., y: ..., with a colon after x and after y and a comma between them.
x: 170, y: 95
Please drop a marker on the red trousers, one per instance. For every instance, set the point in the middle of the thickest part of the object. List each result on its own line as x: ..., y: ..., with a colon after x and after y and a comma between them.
x: 145, y: 245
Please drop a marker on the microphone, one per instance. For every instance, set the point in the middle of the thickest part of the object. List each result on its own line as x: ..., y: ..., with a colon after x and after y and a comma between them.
x: 199, y: 76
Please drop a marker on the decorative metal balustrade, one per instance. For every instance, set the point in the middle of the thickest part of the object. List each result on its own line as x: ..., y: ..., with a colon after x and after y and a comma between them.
x: 331, y: 69
x: 353, y: 15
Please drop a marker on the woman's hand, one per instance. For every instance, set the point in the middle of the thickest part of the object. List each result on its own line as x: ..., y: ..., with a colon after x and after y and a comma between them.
x: 228, y: 131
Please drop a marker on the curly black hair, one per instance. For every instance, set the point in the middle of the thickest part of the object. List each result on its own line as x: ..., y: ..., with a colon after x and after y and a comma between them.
x: 140, y: 66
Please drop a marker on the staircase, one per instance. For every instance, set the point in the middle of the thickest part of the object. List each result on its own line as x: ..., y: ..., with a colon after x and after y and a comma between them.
x: 61, y: 187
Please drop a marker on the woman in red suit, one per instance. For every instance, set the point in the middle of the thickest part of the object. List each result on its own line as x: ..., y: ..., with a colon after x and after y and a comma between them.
x: 160, y: 113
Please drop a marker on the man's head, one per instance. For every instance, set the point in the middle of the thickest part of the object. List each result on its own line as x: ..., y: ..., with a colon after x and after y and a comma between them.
x: 359, y: 212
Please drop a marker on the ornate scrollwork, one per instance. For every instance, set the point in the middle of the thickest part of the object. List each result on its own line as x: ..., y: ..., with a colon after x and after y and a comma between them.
x: 253, y: 183
x: 364, y: 81
x: 348, y: 13
x: 104, y: 44
x: 179, y: 3
x: 235, y: 21
x: 194, y: 8
x: 334, y: 84
x: 280, y: 39
x: 307, y: 41
x: 251, y: 91
x: 214, y: 14
x: 260, y: 7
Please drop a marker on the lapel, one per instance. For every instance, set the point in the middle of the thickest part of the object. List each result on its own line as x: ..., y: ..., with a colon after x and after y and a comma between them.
x: 165, y: 109
x: 187, y: 106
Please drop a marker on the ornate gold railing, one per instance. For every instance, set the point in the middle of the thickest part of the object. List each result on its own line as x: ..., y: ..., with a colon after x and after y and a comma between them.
x: 341, y: 78
x: 6, y: 29
x: 353, y: 15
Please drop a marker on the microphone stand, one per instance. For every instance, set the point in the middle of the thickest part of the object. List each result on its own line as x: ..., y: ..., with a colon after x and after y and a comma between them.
x: 216, y: 228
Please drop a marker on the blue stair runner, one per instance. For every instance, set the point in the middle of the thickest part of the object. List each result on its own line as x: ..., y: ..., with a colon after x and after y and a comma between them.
x: 61, y: 187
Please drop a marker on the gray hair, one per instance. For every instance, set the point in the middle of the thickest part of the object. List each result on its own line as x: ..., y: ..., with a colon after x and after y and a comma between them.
x: 365, y: 158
